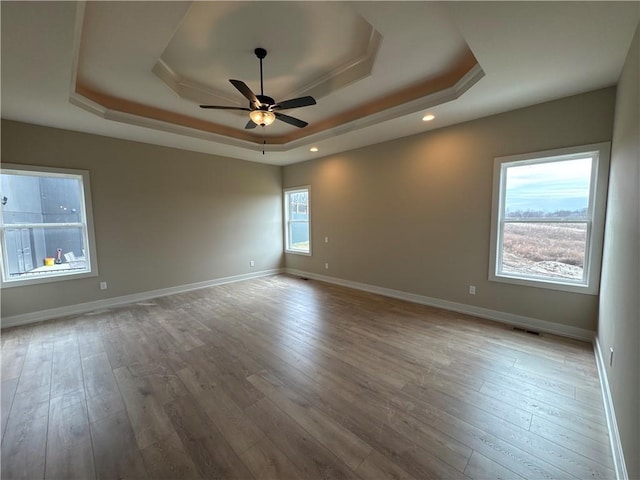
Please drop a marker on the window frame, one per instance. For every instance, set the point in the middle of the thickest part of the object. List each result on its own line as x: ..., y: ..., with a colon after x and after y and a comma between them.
x: 287, y: 221
x: 87, y: 226
x: 599, y: 152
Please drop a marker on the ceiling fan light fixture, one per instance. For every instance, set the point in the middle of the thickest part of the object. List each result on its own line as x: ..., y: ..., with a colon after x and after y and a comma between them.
x: 262, y: 117
x: 261, y: 106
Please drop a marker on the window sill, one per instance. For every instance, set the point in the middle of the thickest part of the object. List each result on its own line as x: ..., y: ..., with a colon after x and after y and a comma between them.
x: 59, y: 277
x: 298, y: 252
x: 547, y: 284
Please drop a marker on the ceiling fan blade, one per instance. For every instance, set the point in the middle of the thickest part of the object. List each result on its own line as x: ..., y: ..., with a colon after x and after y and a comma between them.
x: 294, y: 103
x: 290, y: 120
x: 250, y: 124
x: 221, y: 107
x: 246, y: 91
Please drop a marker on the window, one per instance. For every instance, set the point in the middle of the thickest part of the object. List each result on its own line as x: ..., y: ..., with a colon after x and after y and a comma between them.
x: 548, y: 218
x: 45, y: 225
x: 296, y: 212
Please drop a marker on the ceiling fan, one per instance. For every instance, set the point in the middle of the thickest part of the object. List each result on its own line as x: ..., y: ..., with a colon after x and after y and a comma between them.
x: 263, y: 110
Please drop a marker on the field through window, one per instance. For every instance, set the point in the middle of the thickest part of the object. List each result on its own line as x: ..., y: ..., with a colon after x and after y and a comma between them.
x: 554, y: 250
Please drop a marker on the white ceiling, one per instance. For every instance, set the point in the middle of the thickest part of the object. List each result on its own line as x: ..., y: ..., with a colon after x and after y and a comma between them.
x: 349, y: 55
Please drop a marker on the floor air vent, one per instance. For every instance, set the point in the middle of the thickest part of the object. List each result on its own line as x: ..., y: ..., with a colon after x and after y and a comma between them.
x: 524, y: 330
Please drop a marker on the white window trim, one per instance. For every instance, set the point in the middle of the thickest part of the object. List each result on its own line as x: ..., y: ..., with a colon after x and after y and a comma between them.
x: 598, y: 198
x: 286, y: 191
x: 90, y: 239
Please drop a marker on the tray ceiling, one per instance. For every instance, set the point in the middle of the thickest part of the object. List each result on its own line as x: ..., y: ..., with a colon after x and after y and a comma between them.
x: 139, y: 70
x: 315, y: 48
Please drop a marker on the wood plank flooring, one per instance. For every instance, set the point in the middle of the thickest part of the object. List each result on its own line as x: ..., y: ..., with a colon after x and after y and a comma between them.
x: 280, y: 377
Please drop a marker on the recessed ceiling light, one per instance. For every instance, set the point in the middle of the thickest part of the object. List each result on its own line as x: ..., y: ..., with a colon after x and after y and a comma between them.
x: 313, y: 149
x: 428, y: 117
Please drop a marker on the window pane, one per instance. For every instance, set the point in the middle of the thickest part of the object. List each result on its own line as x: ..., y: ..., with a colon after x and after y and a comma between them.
x: 34, y: 251
x: 299, y: 206
x: 39, y: 199
x: 546, y: 250
x: 299, y: 236
x: 546, y: 190
x: 45, y: 235
x: 297, y: 213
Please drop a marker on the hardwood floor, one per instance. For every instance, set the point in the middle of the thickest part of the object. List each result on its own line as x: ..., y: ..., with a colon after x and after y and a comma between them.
x: 285, y: 378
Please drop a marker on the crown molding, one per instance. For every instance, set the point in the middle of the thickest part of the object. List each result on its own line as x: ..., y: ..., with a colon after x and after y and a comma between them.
x: 438, y: 98
x: 357, y: 68
x: 189, y: 89
x: 350, y: 72
x: 111, y: 108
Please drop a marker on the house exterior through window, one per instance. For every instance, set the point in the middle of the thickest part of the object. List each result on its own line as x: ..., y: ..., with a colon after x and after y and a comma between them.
x: 46, y: 228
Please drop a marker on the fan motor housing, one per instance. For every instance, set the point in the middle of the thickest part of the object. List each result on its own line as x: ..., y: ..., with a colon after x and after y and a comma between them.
x: 265, y: 101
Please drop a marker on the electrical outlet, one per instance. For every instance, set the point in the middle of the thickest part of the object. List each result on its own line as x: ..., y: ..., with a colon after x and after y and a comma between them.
x: 326, y: 266
x: 252, y: 263
x: 103, y: 285
x: 472, y: 289
x: 326, y: 239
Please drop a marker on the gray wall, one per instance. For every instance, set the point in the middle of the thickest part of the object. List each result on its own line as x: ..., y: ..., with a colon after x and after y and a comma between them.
x: 619, y: 325
x: 414, y: 214
x: 163, y: 217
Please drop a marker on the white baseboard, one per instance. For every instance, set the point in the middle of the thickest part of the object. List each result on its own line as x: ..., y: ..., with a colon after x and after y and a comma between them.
x: 528, y: 323
x: 612, y: 425
x: 508, y: 318
x: 80, y: 308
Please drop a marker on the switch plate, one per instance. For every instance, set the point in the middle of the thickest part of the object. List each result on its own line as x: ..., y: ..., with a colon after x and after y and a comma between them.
x: 326, y: 239
x: 103, y: 285
x: 252, y: 263
x: 326, y: 266
x: 472, y: 289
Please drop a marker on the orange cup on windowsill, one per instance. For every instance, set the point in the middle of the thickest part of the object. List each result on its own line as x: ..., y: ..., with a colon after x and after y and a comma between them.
x: 48, y: 261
